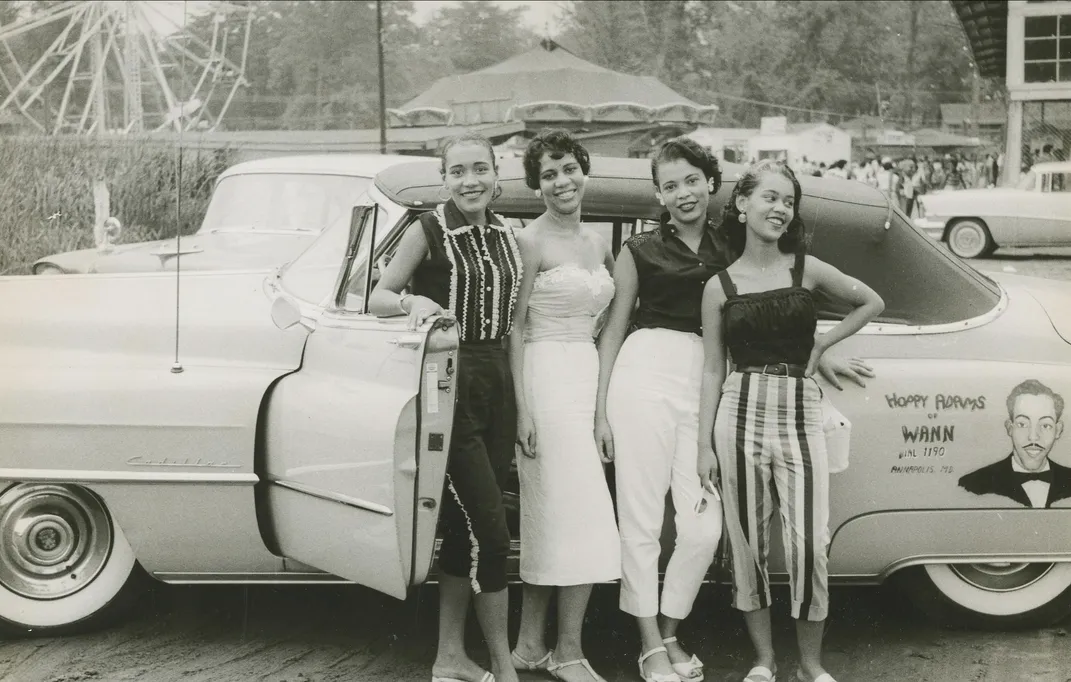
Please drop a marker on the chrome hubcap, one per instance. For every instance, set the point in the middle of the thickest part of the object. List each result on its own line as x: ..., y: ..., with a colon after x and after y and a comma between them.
x: 968, y: 240
x: 54, y: 539
x: 1001, y: 577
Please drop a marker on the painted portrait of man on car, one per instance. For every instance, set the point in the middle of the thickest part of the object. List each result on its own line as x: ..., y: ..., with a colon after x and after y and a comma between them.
x: 1027, y: 475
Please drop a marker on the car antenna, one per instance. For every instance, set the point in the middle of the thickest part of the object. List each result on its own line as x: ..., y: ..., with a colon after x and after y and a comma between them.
x: 176, y: 366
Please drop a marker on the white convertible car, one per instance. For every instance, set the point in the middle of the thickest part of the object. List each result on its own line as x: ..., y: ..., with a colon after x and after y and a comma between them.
x: 975, y: 222
x: 262, y: 427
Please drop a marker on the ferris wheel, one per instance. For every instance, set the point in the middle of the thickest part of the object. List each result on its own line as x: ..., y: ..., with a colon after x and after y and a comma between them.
x: 102, y: 66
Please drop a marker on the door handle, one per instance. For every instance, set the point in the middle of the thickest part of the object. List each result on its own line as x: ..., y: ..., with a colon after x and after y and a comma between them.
x: 408, y: 341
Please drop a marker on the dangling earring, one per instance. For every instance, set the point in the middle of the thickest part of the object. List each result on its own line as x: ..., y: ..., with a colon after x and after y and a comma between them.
x: 710, y: 186
x: 441, y: 190
x: 661, y: 201
x: 538, y: 194
x: 742, y: 217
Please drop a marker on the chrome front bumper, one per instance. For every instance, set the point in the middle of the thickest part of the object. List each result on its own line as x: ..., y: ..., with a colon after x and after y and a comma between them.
x: 933, y: 228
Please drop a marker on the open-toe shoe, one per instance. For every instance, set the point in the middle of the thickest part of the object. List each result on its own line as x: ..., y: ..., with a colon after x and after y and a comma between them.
x: 760, y: 673
x: 656, y: 677
x: 553, y: 668
x: 521, y: 663
x: 689, y: 671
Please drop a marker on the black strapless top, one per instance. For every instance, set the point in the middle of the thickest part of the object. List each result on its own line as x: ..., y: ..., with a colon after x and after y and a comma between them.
x: 769, y: 327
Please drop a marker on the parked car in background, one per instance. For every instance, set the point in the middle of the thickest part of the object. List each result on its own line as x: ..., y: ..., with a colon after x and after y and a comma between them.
x: 265, y: 428
x: 975, y: 222
x: 262, y: 213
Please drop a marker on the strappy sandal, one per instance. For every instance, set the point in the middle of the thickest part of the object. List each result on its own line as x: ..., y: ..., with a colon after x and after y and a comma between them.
x: 760, y: 673
x: 656, y: 677
x: 487, y: 677
x: 521, y: 663
x: 553, y: 669
x: 689, y: 671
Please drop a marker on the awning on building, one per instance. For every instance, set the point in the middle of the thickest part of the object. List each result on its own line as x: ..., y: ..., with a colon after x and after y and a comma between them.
x: 986, y: 24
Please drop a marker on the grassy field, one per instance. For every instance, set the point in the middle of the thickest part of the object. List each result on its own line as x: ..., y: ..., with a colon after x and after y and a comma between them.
x: 46, y: 196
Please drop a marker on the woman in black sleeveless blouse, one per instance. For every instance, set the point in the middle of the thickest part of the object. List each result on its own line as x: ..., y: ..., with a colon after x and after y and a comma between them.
x: 760, y: 427
x: 462, y: 261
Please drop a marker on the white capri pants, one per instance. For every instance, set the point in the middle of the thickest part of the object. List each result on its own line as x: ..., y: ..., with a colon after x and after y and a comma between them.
x: 653, y: 409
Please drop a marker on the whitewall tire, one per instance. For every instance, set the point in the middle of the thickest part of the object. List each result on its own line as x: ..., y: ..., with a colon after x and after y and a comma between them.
x: 65, y: 565
x: 970, y: 238
x: 997, y: 595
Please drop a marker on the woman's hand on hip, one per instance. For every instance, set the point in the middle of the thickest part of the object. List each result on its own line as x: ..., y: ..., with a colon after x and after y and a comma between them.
x: 604, y: 439
x: 526, y: 435
x: 854, y: 369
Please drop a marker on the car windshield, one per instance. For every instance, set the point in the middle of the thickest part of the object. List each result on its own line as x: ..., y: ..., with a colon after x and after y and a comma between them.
x: 303, y: 202
x: 312, y: 275
x: 1027, y: 181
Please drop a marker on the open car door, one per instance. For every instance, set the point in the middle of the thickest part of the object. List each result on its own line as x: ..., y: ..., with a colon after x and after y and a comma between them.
x: 356, y: 441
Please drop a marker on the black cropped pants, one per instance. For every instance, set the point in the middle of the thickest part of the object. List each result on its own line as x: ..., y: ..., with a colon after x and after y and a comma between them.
x: 475, y: 538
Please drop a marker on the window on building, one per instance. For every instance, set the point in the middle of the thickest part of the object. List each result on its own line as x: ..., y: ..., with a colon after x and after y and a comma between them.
x: 1047, y: 49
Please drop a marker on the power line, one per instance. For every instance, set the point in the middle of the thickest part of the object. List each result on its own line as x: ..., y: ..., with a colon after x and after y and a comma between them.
x: 789, y: 107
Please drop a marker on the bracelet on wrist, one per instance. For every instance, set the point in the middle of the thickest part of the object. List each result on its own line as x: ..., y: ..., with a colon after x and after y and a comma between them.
x: 402, y: 300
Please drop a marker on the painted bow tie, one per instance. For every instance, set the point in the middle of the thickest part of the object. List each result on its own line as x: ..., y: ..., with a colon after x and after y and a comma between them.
x: 1024, y: 476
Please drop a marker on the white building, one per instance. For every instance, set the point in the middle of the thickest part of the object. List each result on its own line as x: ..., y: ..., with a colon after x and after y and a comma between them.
x: 1029, y: 44
x: 728, y: 144
x: 818, y: 142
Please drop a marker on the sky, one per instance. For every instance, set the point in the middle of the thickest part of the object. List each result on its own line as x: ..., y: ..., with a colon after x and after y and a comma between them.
x: 167, y: 16
x: 539, y: 13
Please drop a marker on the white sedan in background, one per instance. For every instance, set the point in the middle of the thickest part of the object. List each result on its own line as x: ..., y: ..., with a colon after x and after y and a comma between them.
x: 262, y: 214
x: 974, y: 222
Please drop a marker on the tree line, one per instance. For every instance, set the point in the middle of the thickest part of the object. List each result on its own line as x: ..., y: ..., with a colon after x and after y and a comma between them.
x: 312, y: 64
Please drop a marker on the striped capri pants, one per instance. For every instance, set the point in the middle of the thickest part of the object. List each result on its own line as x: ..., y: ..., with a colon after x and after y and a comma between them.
x: 770, y: 445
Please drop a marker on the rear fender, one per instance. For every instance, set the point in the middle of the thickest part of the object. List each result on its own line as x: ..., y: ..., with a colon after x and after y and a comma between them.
x: 869, y: 548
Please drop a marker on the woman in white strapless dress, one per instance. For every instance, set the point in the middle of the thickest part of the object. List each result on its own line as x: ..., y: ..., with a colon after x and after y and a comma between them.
x: 569, y: 537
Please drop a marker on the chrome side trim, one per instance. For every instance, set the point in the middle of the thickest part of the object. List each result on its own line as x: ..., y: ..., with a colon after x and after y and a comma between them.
x: 889, y: 329
x: 80, y: 476
x: 333, y: 497
x: 272, y: 578
x: 973, y: 559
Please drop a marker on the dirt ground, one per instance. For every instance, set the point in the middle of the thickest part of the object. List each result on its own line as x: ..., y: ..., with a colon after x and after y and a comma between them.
x: 331, y: 634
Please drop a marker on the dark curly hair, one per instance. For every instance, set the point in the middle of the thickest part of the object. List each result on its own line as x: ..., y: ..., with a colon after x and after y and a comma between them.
x: 684, y: 148
x: 733, y: 233
x: 557, y: 143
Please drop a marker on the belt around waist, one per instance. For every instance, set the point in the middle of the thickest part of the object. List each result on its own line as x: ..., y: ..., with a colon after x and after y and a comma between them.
x: 777, y: 369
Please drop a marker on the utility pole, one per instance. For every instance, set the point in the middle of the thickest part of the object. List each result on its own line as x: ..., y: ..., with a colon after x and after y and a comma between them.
x: 909, y: 71
x: 382, y: 80
x: 976, y: 100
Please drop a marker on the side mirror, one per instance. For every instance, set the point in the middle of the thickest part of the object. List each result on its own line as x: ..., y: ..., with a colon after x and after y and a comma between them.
x: 286, y: 315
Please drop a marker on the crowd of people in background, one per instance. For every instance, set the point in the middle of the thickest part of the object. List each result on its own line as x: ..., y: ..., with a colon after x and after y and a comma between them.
x: 907, y: 178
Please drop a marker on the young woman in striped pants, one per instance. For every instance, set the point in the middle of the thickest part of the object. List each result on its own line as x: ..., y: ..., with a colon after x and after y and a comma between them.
x: 760, y: 427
